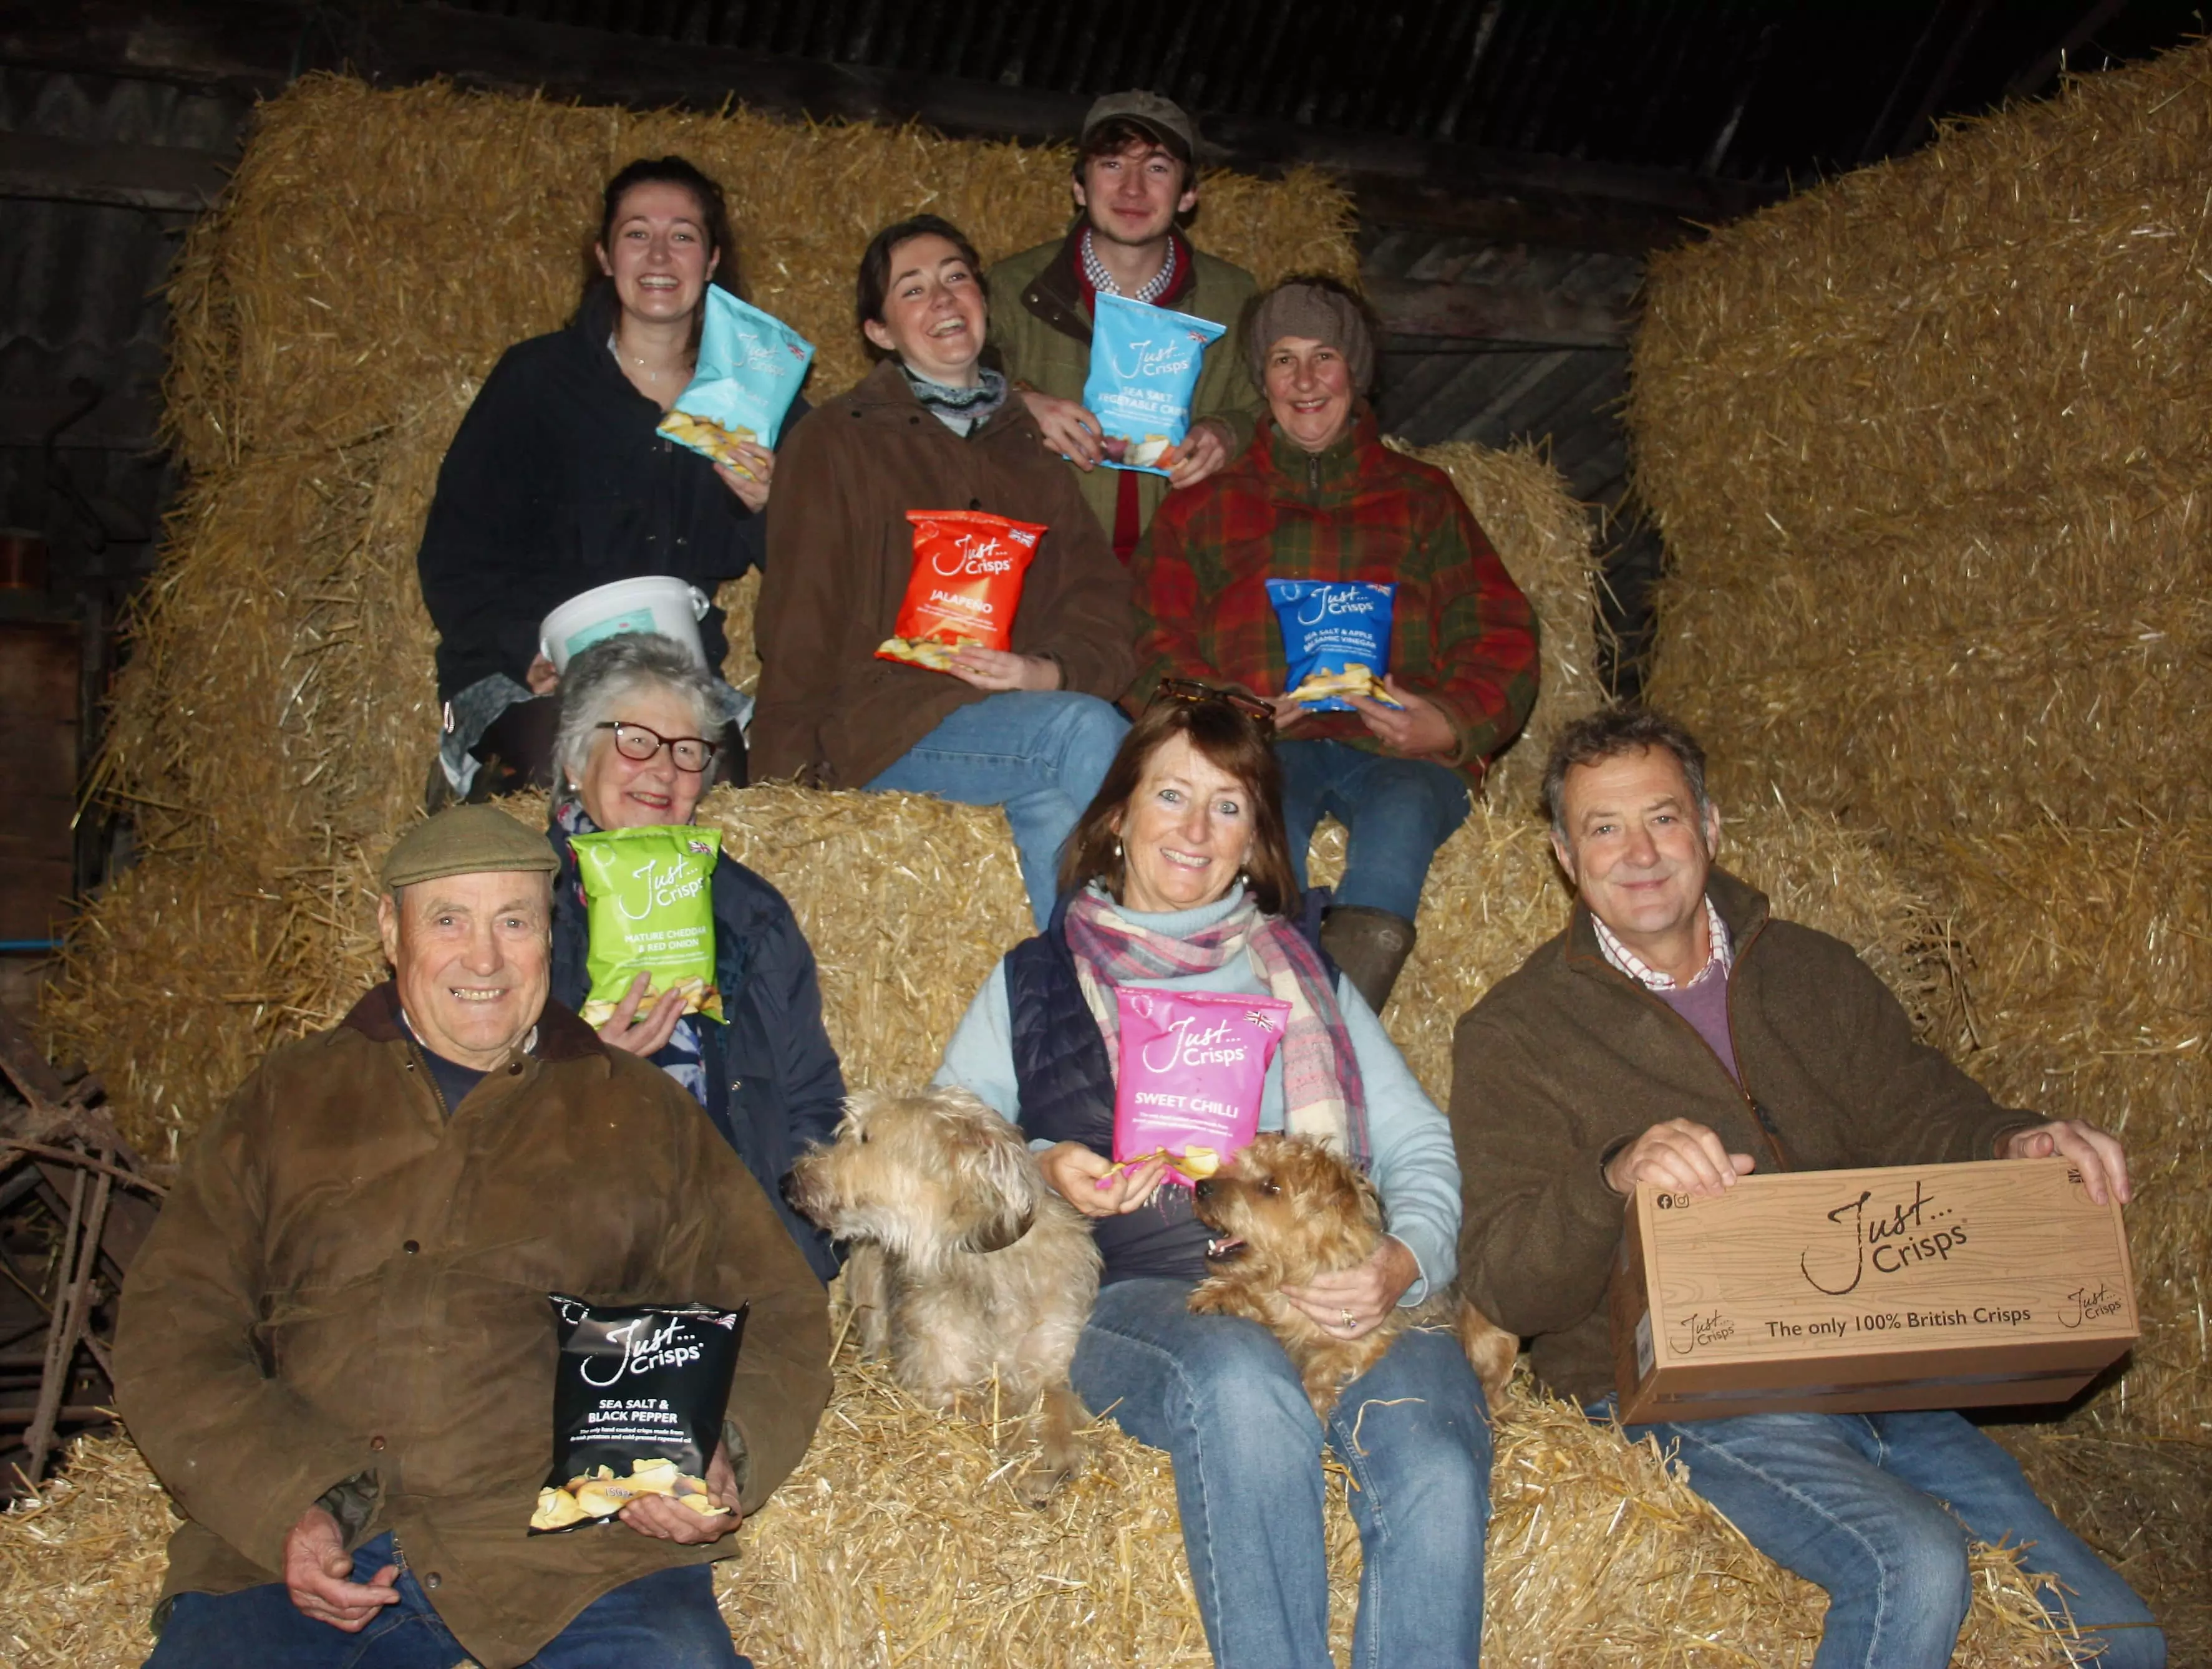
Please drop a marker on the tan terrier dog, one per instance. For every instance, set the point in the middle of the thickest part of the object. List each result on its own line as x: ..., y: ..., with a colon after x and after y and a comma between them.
x: 1287, y: 1210
x: 967, y: 1263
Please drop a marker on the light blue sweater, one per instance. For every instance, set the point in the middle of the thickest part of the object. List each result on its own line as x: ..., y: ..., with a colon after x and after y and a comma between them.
x: 1414, y: 1166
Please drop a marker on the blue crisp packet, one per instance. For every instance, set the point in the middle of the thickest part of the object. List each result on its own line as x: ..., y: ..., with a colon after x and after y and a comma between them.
x: 1145, y: 362
x: 1333, y: 631
x: 748, y: 372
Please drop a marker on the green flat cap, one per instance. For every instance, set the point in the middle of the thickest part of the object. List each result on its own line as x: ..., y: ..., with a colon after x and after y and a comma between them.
x: 466, y: 840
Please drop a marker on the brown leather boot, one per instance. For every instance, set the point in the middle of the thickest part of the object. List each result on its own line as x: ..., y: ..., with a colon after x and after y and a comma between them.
x: 1370, y: 946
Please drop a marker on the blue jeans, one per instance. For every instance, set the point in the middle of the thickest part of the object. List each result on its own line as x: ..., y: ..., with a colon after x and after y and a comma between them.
x: 1396, y: 811
x: 1040, y: 753
x: 664, y: 1621
x: 1217, y: 1393
x: 1878, y: 1509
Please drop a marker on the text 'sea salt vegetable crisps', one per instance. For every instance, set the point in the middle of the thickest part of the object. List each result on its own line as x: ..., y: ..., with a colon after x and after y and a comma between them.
x: 1191, y: 1068
x: 1336, y: 640
x: 964, y: 587
x: 638, y: 1396
x: 1145, y: 362
x: 649, y: 894
x: 750, y: 369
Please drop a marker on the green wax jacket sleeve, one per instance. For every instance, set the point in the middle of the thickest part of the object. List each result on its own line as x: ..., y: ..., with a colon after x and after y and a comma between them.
x: 1538, y: 1225
x: 1226, y: 389
x: 732, y: 1244
x: 241, y: 1452
x: 1914, y: 1104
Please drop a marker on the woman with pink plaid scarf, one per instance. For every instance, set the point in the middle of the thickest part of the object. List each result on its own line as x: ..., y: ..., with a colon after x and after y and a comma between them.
x: 1179, y: 878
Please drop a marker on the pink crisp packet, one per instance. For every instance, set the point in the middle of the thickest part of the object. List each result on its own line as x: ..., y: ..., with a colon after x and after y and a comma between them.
x: 1193, y: 1065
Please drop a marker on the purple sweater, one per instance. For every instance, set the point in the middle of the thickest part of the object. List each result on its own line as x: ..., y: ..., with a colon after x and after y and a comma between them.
x: 1703, y: 1004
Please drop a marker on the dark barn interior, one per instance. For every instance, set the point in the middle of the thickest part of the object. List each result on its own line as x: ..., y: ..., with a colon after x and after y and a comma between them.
x: 1514, y: 163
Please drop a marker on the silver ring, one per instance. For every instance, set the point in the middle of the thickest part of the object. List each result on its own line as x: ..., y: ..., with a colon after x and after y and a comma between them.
x: 1347, y: 1323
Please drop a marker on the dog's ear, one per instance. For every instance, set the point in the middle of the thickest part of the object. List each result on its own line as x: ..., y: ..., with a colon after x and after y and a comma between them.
x: 999, y: 1187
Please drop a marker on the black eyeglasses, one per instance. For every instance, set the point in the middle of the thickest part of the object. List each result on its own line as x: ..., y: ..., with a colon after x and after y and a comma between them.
x: 1189, y: 689
x: 688, y: 753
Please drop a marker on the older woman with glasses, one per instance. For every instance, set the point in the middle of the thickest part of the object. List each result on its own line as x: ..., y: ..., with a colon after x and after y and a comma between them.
x: 633, y: 748
x: 1178, y: 878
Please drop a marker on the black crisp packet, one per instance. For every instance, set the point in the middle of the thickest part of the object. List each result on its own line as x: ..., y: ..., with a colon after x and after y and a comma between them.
x: 638, y: 1398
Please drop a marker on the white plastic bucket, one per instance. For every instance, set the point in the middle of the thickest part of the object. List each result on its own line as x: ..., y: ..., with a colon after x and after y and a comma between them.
x: 652, y: 603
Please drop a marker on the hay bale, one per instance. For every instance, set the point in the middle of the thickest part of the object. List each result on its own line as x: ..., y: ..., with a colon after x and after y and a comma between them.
x: 1928, y: 447
x: 2086, y: 956
x: 1544, y: 536
x: 1929, y: 443
x: 897, y: 1542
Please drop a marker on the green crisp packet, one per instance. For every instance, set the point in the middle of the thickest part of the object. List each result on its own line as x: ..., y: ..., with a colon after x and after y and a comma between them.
x: 651, y: 910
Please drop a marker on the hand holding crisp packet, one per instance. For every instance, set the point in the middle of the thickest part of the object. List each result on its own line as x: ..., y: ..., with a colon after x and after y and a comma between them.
x: 638, y: 1396
x: 649, y: 894
x: 965, y: 586
x: 748, y: 372
x: 1145, y: 362
x: 1336, y: 641
x: 1193, y: 1065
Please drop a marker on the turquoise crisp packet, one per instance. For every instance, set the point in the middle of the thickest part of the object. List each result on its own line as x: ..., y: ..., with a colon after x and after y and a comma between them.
x: 750, y: 369
x: 1145, y: 362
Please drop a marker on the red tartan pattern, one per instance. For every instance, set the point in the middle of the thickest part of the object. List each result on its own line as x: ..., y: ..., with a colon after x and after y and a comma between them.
x: 1462, y: 632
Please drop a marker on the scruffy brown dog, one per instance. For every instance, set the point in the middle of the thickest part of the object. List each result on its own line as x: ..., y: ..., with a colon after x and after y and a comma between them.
x: 966, y: 1260
x: 1287, y: 1210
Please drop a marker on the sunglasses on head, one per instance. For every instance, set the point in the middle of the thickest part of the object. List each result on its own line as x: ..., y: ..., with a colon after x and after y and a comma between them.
x: 1189, y: 689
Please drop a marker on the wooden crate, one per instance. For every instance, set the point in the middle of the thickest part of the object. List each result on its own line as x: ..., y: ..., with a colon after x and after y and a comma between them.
x: 1912, y: 1286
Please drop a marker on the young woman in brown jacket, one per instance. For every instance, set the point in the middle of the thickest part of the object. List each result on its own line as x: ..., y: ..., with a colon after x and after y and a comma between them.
x: 1029, y: 728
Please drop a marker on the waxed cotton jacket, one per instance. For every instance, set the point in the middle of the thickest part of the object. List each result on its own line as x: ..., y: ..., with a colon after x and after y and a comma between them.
x: 347, y: 1282
x: 1567, y: 1058
x: 1040, y: 329
x: 840, y: 551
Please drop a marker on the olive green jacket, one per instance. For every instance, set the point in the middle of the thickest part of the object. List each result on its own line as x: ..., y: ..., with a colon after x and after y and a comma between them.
x: 348, y: 1287
x: 1041, y: 333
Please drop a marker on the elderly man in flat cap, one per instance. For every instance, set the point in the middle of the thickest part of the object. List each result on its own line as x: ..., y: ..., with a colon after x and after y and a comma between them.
x: 1318, y: 496
x: 336, y: 1347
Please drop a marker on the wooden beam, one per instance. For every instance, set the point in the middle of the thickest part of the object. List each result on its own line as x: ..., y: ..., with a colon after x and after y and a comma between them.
x: 1494, y: 312
x: 166, y: 177
x: 256, y: 46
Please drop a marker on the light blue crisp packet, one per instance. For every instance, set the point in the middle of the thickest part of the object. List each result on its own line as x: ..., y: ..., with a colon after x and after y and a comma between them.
x: 1333, y: 631
x: 1145, y: 362
x: 750, y: 368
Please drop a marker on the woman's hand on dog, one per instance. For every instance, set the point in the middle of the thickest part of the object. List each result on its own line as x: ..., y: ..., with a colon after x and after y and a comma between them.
x: 661, y: 1518
x: 1073, y: 1170
x: 1364, y: 1293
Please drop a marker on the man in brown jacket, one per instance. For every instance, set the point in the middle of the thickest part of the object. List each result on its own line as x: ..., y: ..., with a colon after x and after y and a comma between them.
x: 1678, y: 1033
x: 336, y: 1348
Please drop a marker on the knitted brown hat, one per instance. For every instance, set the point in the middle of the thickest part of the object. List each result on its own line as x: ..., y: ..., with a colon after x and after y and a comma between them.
x: 467, y: 839
x: 1319, y: 314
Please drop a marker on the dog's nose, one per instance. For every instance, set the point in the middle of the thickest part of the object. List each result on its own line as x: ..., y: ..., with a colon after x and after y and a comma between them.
x: 1203, y: 1188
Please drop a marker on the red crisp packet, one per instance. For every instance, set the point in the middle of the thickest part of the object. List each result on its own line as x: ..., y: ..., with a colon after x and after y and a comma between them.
x: 965, y: 587
x: 1192, y: 1066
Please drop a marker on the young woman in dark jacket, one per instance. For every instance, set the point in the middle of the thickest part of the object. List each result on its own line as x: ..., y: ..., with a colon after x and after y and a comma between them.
x: 557, y: 482
x: 633, y: 749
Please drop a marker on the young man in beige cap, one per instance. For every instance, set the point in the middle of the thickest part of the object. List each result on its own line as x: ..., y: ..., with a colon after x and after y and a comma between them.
x: 1136, y: 178
x: 336, y: 1348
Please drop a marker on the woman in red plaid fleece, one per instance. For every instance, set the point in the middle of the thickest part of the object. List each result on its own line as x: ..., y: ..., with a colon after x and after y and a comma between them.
x: 1316, y: 496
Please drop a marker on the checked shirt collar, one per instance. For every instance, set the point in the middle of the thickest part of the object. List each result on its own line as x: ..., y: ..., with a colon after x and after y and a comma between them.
x: 1722, y: 957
